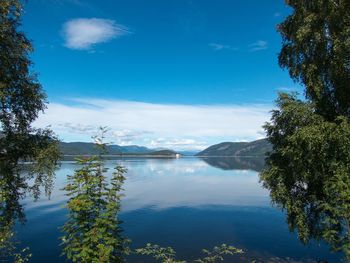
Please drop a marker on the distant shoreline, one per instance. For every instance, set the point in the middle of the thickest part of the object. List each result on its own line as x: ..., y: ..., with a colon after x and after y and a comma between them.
x: 122, y: 155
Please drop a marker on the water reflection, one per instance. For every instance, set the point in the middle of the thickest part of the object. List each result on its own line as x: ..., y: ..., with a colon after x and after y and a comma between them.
x: 317, y: 206
x: 170, y: 183
x: 236, y: 163
x: 16, y: 182
x: 184, y: 203
x: 189, y: 183
x: 11, y: 191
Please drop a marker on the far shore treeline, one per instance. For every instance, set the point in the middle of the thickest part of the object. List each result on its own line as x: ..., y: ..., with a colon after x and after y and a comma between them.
x: 257, y: 148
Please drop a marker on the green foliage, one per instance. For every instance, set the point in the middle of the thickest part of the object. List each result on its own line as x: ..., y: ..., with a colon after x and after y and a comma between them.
x: 21, y: 100
x: 316, y: 51
x: 167, y: 254
x: 21, y: 96
x: 218, y: 253
x: 308, y: 171
x: 11, y: 192
x: 163, y: 254
x: 92, y: 232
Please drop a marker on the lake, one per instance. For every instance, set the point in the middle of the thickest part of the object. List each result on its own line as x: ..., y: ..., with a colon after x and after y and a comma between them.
x: 188, y: 204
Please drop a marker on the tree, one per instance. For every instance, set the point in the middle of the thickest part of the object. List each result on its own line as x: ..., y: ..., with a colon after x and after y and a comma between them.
x: 316, y: 51
x: 21, y: 100
x: 92, y: 232
x: 308, y: 172
x: 308, y: 169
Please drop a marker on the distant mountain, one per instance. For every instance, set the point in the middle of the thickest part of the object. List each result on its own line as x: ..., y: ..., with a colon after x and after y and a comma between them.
x: 85, y: 148
x: 255, y: 148
x: 163, y: 153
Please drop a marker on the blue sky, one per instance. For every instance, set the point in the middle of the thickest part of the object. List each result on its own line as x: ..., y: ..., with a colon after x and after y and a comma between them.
x: 158, y: 70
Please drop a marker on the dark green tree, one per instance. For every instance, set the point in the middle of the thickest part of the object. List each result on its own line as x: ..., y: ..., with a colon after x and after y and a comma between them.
x: 11, y: 211
x: 92, y: 232
x: 316, y: 51
x: 308, y: 170
x: 21, y: 101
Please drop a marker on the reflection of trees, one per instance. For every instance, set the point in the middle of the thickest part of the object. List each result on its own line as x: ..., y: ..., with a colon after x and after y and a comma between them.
x: 17, y: 181
x: 236, y: 163
x: 10, y: 209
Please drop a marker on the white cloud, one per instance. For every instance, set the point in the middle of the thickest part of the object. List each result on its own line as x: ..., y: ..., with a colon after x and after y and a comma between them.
x: 178, y: 144
x: 127, y: 137
x: 219, y: 47
x: 156, y: 125
x: 83, y: 34
x: 285, y: 89
x: 258, y: 45
x: 78, y: 128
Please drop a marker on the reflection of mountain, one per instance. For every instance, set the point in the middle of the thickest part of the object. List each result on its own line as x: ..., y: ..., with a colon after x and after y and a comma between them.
x: 236, y: 163
x: 255, y: 148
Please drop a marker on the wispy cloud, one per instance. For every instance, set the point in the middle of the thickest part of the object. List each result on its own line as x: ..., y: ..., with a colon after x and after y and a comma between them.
x: 258, y: 46
x: 127, y: 137
x: 182, y: 144
x: 78, y: 128
x: 277, y: 14
x: 83, y: 33
x: 156, y: 125
x: 289, y: 89
x: 285, y: 89
x: 218, y: 47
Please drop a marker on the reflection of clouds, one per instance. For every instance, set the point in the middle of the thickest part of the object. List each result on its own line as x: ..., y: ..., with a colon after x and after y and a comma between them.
x: 190, y: 170
x: 167, y: 183
x: 189, y: 182
x: 166, y: 166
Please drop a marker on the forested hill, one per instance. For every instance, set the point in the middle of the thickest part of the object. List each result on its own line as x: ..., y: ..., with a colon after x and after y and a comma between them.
x: 84, y: 148
x: 255, y: 148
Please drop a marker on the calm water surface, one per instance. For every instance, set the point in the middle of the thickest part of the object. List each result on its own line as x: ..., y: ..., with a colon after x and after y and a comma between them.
x: 185, y: 203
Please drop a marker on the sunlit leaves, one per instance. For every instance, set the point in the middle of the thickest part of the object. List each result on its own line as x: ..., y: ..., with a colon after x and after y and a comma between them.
x: 168, y: 254
x: 316, y: 51
x: 92, y: 232
x: 308, y: 171
x: 21, y: 100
